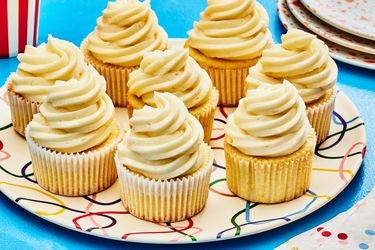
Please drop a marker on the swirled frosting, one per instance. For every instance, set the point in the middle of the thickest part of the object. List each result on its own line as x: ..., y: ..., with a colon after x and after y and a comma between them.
x: 163, y: 142
x: 231, y: 29
x: 77, y: 115
x: 303, y: 60
x: 170, y: 71
x: 42, y: 66
x: 126, y: 31
x: 270, y: 121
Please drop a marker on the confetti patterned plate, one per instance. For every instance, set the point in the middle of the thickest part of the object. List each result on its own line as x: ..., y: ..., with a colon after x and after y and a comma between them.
x: 225, y: 216
x: 327, y: 31
x: 338, y: 52
x: 354, y: 16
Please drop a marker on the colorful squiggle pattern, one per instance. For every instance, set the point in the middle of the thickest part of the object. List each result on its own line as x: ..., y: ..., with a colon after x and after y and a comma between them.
x: 225, y: 215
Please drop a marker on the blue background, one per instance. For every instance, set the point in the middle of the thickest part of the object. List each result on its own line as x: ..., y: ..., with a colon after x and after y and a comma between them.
x: 73, y: 20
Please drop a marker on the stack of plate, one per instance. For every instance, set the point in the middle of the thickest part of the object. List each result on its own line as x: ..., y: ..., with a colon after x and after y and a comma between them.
x: 346, y: 26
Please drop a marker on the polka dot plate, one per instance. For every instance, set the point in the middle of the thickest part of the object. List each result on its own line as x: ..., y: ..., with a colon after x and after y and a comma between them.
x: 338, y: 52
x: 354, y: 16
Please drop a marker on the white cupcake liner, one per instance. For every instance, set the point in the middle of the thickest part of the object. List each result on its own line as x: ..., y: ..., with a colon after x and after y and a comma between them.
x: 165, y: 200
x: 74, y: 174
x: 230, y: 83
x: 270, y: 179
x: 21, y: 109
x: 320, y: 117
x: 116, y: 76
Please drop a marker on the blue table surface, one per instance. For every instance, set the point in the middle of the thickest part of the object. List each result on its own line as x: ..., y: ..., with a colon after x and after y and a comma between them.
x: 73, y: 20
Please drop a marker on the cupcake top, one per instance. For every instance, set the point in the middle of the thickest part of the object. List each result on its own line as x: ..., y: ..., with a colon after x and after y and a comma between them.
x: 302, y: 59
x: 270, y: 121
x: 126, y: 31
x: 77, y: 115
x: 171, y: 71
x: 231, y: 29
x: 41, y: 67
x: 164, y: 142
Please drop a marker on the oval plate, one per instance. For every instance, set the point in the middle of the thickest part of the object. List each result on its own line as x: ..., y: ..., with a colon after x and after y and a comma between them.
x: 225, y: 216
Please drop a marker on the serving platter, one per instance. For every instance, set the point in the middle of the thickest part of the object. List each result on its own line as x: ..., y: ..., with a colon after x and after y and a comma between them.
x: 225, y: 216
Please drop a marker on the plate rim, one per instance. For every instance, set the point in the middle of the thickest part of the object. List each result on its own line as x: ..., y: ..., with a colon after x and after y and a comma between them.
x: 334, y: 55
x: 325, y: 19
x: 333, y: 38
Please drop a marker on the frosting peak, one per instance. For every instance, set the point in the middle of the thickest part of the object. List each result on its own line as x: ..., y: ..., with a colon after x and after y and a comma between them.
x: 297, y: 40
x: 303, y: 60
x: 160, y: 63
x: 76, y: 116
x: 164, y: 142
x: 170, y: 71
x: 231, y: 29
x: 270, y: 121
x: 224, y: 9
x: 126, y: 31
x: 40, y: 67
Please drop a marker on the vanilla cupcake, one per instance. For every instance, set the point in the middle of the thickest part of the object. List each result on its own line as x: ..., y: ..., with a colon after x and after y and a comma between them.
x: 126, y: 31
x: 230, y: 38
x: 303, y: 60
x: 163, y: 165
x: 37, y: 72
x: 73, y: 139
x: 176, y: 72
x: 269, y: 145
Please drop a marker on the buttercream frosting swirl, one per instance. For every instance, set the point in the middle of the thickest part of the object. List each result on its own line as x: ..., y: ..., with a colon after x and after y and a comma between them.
x: 303, y: 60
x: 171, y: 71
x: 231, y: 29
x: 270, y: 121
x: 77, y: 115
x: 163, y: 142
x: 126, y: 31
x: 41, y: 67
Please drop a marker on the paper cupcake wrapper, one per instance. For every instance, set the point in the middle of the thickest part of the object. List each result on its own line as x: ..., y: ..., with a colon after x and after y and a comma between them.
x: 116, y: 76
x: 228, y: 76
x: 267, y: 179
x: 22, y: 111
x: 230, y: 83
x: 205, y: 113
x: 320, y: 117
x: 164, y: 200
x: 74, y: 174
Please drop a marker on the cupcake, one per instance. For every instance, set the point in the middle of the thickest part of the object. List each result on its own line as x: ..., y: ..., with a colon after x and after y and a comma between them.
x: 303, y: 60
x: 163, y: 165
x: 126, y: 31
x: 269, y: 145
x: 73, y: 139
x: 176, y: 72
x: 229, y: 38
x: 37, y: 72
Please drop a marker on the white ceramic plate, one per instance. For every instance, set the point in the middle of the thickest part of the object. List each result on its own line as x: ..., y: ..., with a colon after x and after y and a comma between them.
x: 338, y: 52
x: 225, y: 216
x: 354, y: 16
x: 327, y: 31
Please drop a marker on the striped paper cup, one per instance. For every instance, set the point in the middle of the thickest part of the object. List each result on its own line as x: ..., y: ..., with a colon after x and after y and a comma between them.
x: 18, y: 26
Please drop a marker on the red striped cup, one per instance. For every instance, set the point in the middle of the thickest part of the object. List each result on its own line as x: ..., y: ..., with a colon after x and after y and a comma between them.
x: 18, y: 25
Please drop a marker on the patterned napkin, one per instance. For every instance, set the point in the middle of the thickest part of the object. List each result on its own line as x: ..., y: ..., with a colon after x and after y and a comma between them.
x: 353, y: 229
